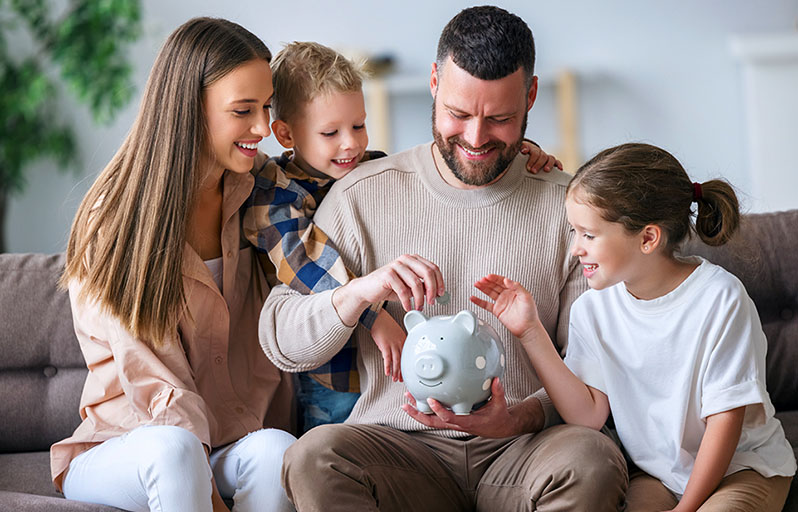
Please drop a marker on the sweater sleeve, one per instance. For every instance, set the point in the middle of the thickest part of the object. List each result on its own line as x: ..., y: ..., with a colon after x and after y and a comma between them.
x: 278, y: 221
x: 301, y: 332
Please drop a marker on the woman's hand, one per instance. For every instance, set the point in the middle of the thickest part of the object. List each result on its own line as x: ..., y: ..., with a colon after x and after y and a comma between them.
x: 538, y: 159
x: 512, y: 304
x: 410, y: 279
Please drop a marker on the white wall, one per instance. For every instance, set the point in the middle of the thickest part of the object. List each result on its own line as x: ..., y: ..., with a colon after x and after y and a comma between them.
x: 660, y: 72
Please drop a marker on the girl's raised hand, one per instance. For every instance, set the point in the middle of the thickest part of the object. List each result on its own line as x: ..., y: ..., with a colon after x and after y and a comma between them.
x: 512, y: 304
x: 538, y: 159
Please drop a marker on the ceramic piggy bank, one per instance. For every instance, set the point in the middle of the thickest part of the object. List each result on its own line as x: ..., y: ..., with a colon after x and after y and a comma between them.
x: 452, y: 359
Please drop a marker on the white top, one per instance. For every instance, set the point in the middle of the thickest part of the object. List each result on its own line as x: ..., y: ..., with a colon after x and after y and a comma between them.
x: 668, y: 363
x: 216, y: 267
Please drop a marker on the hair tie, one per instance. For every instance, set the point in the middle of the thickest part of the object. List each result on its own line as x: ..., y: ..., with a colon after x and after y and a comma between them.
x: 697, y: 193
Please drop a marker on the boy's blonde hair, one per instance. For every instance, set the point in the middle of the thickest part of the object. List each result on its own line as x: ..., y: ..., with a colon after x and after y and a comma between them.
x: 304, y: 70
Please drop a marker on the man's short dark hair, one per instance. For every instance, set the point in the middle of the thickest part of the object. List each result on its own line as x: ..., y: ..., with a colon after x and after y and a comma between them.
x: 489, y: 43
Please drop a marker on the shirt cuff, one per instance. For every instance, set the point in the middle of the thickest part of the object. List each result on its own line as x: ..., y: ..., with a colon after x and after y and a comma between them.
x: 744, y: 393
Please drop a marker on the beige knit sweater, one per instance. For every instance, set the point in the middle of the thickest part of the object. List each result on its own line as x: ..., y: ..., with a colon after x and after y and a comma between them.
x: 400, y: 204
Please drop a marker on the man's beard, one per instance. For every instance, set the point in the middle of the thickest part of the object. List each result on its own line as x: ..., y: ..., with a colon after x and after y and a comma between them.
x: 476, y: 173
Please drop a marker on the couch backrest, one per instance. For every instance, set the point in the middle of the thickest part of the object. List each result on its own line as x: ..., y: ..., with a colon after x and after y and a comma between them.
x: 765, y: 259
x: 41, y: 368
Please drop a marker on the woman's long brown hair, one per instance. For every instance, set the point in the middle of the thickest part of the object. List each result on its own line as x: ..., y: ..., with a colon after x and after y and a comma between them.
x: 127, y: 239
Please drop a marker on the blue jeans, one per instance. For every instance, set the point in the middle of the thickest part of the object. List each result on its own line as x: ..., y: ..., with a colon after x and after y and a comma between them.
x: 319, y: 405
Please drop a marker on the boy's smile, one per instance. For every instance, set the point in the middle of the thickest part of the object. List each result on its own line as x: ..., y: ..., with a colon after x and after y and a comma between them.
x: 329, y: 135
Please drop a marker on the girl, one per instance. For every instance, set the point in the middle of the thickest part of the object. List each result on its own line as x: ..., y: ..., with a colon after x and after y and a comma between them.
x: 672, y: 346
x: 166, y: 297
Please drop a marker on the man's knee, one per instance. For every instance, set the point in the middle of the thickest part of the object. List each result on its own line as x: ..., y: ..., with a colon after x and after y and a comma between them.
x: 585, y: 451
x: 589, y: 466
x: 311, y: 453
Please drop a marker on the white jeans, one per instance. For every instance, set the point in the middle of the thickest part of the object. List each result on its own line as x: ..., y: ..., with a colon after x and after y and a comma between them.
x: 164, y: 468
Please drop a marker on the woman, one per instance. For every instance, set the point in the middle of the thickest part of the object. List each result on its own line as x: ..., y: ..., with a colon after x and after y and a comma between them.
x: 166, y: 295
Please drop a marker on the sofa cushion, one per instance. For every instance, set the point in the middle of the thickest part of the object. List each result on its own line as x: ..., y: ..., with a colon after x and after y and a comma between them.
x: 789, y: 420
x: 764, y: 257
x: 42, y: 370
x: 34, y: 503
x: 27, y: 473
x: 25, y: 485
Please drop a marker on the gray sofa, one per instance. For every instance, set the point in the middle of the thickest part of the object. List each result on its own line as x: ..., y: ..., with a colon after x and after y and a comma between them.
x: 42, y: 370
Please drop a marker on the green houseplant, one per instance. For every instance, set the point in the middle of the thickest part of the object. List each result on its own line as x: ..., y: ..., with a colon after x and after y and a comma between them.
x: 83, y: 42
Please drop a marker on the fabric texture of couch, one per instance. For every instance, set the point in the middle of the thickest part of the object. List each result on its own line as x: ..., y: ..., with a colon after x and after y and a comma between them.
x: 42, y: 370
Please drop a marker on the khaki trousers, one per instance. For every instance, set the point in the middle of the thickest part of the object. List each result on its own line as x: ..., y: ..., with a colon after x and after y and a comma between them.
x: 372, y: 467
x: 744, y: 491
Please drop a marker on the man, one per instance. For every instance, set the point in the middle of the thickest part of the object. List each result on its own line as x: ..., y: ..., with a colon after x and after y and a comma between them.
x: 466, y: 204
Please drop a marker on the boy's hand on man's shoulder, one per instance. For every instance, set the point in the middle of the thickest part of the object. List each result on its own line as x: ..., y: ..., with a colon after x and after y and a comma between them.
x: 538, y: 159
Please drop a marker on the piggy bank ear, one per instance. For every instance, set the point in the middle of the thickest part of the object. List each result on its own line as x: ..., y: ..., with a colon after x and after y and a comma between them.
x: 414, y: 318
x: 467, y: 320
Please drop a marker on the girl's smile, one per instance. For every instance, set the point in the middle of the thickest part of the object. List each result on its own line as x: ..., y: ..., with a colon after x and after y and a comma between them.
x: 608, y: 253
x: 588, y: 269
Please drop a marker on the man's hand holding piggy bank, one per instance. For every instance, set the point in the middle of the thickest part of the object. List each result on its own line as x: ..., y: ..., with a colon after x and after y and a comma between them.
x: 452, y: 359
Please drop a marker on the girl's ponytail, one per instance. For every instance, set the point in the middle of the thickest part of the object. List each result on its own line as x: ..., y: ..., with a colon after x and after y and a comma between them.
x: 718, y: 215
x: 638, y: 184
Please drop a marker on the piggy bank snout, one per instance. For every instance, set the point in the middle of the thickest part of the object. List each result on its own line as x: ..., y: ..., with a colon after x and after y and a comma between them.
x: 429, y: 366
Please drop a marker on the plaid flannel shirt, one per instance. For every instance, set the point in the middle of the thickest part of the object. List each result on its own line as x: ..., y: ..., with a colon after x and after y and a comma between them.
x: 278, y: 222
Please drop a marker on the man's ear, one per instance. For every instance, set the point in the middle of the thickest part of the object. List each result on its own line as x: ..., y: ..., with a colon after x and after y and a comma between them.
x: 433, y: 80
x: 651, y: 237
x: 532, y: 94
x: 282, y: 132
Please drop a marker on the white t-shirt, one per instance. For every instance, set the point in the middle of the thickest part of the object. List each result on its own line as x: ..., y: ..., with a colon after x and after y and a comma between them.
x: 668, y: 363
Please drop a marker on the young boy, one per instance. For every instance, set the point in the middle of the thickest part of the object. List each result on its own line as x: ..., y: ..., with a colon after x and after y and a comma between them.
x: 320, y: 116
